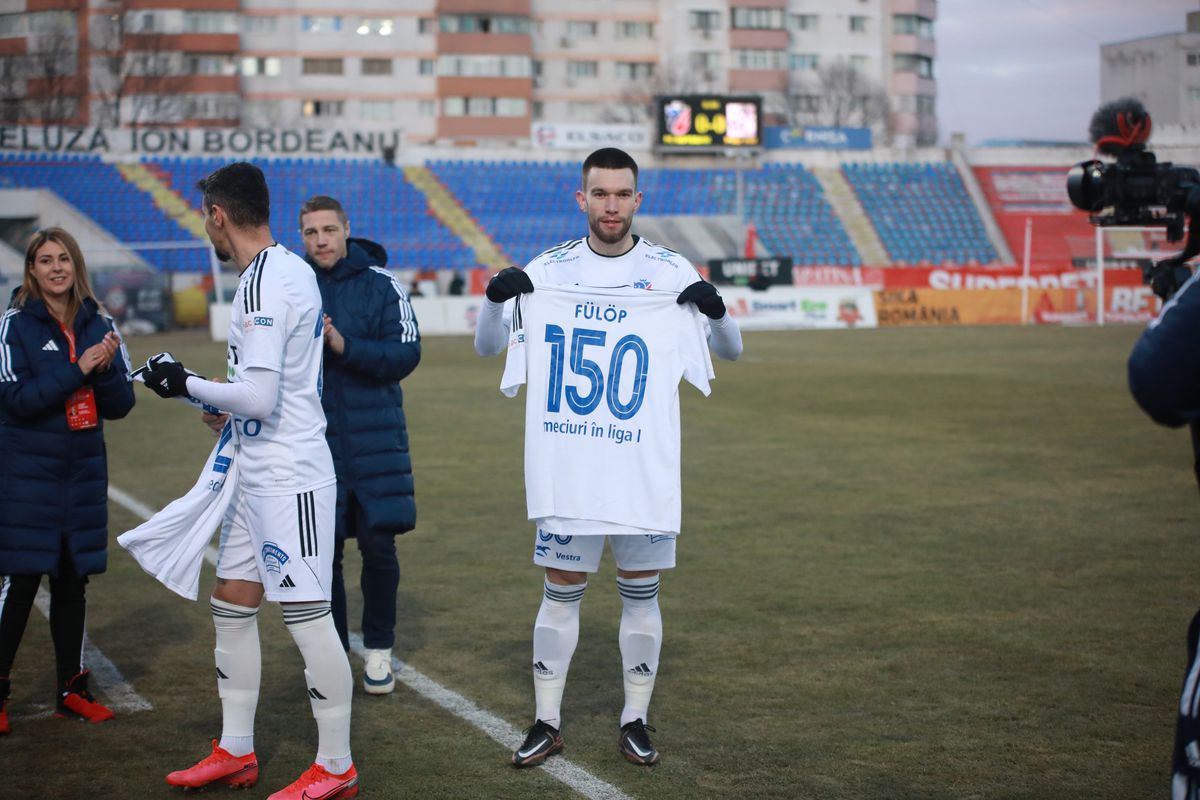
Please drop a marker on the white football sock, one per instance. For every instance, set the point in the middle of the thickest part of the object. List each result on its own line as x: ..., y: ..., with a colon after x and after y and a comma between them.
x: 327, y: 673
x: 555, y: 634
x: 641, y: 641
x: 239, y: 673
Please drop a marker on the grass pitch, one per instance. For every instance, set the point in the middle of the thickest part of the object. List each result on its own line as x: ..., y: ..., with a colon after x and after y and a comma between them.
x: 916, y: 563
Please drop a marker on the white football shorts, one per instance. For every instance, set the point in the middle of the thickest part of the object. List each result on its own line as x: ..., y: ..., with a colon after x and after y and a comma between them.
x: 581, y: 553
x: 284, y: 542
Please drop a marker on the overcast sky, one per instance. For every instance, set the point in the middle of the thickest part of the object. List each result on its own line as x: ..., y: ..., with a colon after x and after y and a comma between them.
x: 1030, y: 69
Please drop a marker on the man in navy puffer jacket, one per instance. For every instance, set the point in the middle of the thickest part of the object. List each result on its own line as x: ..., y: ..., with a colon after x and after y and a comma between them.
x: 371, y: 344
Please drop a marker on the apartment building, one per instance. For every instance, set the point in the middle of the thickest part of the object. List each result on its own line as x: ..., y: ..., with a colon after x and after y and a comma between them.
x: 464, y: 70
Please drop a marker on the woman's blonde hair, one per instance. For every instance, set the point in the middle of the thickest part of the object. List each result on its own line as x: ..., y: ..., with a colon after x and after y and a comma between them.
x: 82, y: 287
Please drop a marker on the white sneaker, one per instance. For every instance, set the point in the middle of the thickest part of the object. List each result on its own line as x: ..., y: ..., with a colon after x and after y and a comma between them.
x: 377, y: 674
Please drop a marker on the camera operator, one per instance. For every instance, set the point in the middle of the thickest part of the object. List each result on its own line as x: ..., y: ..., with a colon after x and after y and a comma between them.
x: 1164, y: 367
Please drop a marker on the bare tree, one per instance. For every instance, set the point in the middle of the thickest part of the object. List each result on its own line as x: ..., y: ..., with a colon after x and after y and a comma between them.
x: 839, y: 96
x: 637, y: 105
x: 137, y: 75
x: 50, y: 73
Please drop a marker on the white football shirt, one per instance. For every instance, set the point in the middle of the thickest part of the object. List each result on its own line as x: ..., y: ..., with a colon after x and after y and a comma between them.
x: 602, y: 369
x: 276, y: 325
x: 644, y: 266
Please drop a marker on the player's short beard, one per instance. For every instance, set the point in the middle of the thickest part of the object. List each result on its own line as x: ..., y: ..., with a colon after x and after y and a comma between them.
x: 613, y: 238
x: 221, y: 254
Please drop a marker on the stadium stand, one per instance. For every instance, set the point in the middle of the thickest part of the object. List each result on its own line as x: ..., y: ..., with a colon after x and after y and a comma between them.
x: 97, y: 189
x: 1060, y: 232
x: 382, y: 205
x: 529, y: 206
x: 922, y: 213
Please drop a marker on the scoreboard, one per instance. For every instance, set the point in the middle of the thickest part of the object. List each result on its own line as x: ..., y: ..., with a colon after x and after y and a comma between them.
x: 708, y: 123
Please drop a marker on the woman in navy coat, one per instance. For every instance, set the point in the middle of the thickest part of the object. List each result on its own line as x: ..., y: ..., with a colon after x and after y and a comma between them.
x: 63, y: 371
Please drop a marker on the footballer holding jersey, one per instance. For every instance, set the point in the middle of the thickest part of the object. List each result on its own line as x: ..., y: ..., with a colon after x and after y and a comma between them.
x: 277, y: 537
x: 573, y: 527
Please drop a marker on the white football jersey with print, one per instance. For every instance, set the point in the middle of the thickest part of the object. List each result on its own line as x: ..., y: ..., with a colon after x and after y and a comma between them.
x: 276, y: 324
x: 645, y: 266
x: 602, y: 369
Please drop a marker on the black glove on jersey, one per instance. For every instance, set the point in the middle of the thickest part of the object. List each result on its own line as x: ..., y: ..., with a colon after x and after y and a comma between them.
x: 167, y: 379
x: 507, y: 284
x: 706, y: 298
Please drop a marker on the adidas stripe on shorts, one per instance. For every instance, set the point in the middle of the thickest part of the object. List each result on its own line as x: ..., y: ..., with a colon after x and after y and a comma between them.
x: 284, y: 542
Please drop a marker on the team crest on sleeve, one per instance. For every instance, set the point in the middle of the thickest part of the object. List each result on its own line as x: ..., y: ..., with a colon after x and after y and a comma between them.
x: 274, y: 557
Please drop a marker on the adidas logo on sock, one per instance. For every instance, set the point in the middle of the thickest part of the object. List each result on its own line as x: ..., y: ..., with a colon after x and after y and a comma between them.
x: 287, y: 583
x: 641, y: 671
x: 541, y: 669
x: 50, y: 345
x: 315, y: 695
x: 221, y: 674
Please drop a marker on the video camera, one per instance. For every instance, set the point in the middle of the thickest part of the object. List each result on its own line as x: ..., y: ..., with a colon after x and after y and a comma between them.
x: 1137, y: 190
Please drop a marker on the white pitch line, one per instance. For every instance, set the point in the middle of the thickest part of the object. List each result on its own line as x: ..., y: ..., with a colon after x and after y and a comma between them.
x: 574, y: 776
x: 117, y: 690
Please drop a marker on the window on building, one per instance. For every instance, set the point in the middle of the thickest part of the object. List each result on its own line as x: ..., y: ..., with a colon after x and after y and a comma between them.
x: 153, y: 64
x: 581, y: 109
x: 537, y: 109
x: 582, y: 69
x: 427, y: 25
x: 321, y: 66
x: 926, y: 105
x: 806, y: 103
x: 635, y: 30
x: 454, y: 106
x: 1193, y: 59
x: 481, y: 23
x: 375, y: 26
x: 425, y: 66
x: 912, y: 25
x: 859, y: 63
x: 201, y: 64
x: 211, y: 106
x: 251, y: 24
x: 51, y: 22
x: 704, y: 20
x: 699, y: 59
x: 320, y: 24
x: 803, y: 61
x: 1194, y: 94
x: 908, y: 62
x: 262, y: 113
x: 802, y: 22
x: 13, y: 25
x: 379, y: 110
x: 634, y: 70
x: 426, y: 108
x: 480, y: 66
x: 758, y: 18
x: 858, y: 24
x: 323, y: 108
x: 758, y: 59
x: 376, y: 66
x: 260, y: 65
x: 582, y: 29
x: 511, y: 106
x: 210, y: 22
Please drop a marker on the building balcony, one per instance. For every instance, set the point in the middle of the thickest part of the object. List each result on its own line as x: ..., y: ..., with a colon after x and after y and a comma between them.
x: 463, y: 86
x: 914, y: 45
x: 185, y: 42
x: 483, y: 127
x: 745, y: 38
x: 518, y: 44
x: 911, y: 83
x: 921, y: 8
x: 764, y: 80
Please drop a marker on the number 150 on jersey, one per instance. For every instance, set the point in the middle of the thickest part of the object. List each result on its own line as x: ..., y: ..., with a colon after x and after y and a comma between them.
x: 629, y: 353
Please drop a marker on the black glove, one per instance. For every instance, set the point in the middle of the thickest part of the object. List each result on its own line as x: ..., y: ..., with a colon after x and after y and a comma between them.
x: 706, y: 298
x: 507, y: 284
x: 167, y: 379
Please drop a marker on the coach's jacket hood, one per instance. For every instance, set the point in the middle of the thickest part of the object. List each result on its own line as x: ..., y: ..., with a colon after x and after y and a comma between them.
x: 360, y: 254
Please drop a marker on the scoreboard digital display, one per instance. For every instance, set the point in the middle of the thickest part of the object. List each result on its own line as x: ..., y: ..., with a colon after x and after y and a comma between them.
x: 708, y: 123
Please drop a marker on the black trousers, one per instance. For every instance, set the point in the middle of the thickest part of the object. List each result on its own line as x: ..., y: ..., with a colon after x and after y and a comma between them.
x: 68, y: 614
